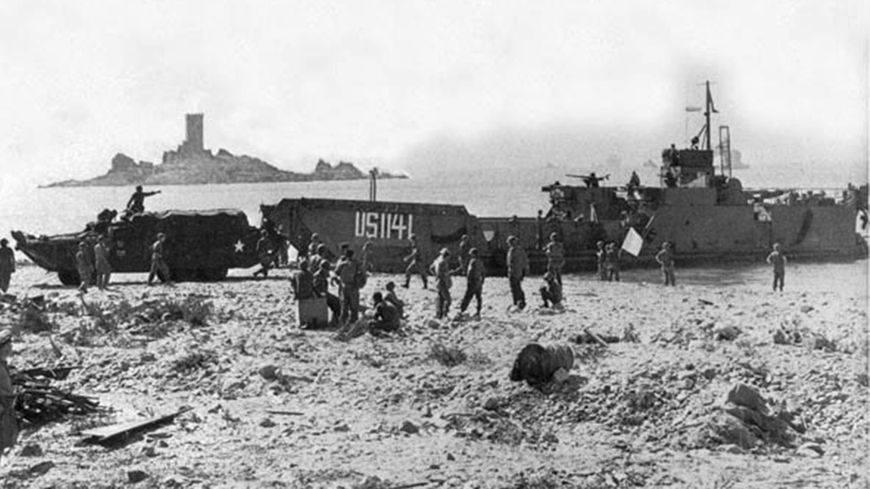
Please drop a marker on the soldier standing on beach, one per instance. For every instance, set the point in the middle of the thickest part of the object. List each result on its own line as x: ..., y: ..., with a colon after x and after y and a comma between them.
x: 414, y: 260
x: 601, y: 255
x: 7, y: 264
x: 136, y: 204
x: 348, y: 271
x: 264, y: 254
x: 8, y: 423
x: 611, y: 261
x: 441, y: 270
x: 159, y: 268
x: 665, y: 258
x: 84, y: 266
x: 474, y: 277
x: 320, y: 283
x: 101, y: 262
x: 778, y: 260
x: 555, y: 257
x: 314, y: 244
x: 464, y: 248
x: 517, y: 269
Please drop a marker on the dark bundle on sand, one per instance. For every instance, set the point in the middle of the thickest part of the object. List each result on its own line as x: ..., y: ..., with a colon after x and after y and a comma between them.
x: 39, y: 403
x: 536, y: 364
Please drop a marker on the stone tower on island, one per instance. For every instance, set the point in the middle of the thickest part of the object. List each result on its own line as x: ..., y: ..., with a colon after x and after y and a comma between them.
x: 193, y: 144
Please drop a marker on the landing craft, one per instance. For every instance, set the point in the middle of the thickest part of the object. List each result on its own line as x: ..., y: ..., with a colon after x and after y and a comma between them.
x: 201, y: 245
x: 706, y: 214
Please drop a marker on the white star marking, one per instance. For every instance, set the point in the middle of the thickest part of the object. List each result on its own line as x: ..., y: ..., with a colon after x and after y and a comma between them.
x: 239, y: 246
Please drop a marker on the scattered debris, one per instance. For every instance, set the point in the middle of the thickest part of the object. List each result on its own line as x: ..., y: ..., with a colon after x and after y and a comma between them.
x: 38, y: 402
x: 110, y: 435
x: 447, y: 356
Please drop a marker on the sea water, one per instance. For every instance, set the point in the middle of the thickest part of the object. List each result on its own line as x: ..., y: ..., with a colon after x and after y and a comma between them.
x: 484, y: 193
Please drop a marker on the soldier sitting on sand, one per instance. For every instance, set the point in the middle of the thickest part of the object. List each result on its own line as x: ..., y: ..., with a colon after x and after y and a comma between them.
x: 386, y: 316
x: 393, y: 299
x: 551, y: 292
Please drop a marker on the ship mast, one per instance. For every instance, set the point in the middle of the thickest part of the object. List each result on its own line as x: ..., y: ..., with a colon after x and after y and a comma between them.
x: 708, y: 109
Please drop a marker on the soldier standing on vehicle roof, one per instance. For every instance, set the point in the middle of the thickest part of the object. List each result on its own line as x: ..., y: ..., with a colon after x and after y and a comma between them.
x: 555, y: 257
x: 159, y: 268
x: 84, y: 266
x: 8, y: 422
x: 474, y: 277
x: 348, y: 271
x: 665, y: 258
x: 415, y: 264
x: 264, y: 254
x: 441, y: 270
x: 320, y: 283
x: 101, y: 262
x: 778, y: 260
x: 136, y: 204
x: 517, y: 269
x: 7, y: 264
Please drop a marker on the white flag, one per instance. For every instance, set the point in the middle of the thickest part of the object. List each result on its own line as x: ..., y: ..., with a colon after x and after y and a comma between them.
x: 632, y: 242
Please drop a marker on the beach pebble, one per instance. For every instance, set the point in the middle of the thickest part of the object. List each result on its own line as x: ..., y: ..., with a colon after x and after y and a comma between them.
x: 135, y: 476
x: 746, y: 396
x: 811, y: 449
x: 31, y: 450
x: 410, y: 428
x: 269, y: 372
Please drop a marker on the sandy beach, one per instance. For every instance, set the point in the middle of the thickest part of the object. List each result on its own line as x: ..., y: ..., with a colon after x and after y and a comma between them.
x: 275, y: 406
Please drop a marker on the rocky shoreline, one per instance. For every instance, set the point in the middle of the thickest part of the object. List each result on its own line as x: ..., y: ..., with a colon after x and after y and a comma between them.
x: 696, y: 387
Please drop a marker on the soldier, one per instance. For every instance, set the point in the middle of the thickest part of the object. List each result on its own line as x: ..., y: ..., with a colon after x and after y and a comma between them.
x: 320, y: 283
x: 314, y: 244
x: 159, y: 268
x: 555, y: 257
x: 393, y: 299
x: 441, y: 270
x: 464, y: 248
x: 551, y: 292
x: 7, y: 264
x: 474, y: 277
x: 611, y: 261
x: 101, y: 262
x: 348, y: 271
x: 302, y: 282
x: 315, y: 261
x: 84, y: 266
x: 778, y: 260
x: 366, y: 263
x: 665, y: 258
x: 386, y: 316
x: 8, y: 423
x: 601, y: 255
x: 517, y: 269
x: 136, y: 204
x: 264, y: 254
x: 414, y: 261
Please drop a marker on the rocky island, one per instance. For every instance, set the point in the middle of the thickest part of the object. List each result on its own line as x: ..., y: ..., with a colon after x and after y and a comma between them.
x: 192, y: 164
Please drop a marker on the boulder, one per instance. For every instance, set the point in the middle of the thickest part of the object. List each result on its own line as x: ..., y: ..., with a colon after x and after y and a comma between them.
x: 536, y: 364
x: 746, y: 396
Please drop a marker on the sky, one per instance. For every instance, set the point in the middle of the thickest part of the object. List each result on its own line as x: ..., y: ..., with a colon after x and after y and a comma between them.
x: 429, y: 86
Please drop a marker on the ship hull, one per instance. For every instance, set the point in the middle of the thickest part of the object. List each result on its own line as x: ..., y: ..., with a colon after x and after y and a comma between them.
x: 700, y: 234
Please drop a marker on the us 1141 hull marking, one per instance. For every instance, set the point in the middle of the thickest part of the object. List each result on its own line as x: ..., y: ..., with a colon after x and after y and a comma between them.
x: 384, y: 225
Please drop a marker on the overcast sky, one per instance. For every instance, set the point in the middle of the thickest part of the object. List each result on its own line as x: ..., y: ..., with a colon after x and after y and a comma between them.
x: 405, y: 84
